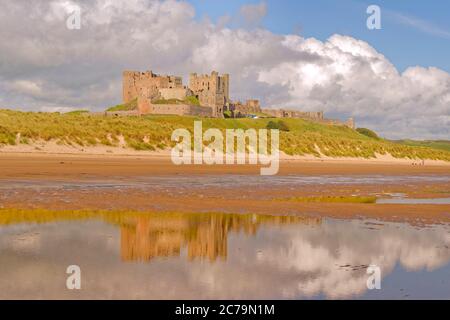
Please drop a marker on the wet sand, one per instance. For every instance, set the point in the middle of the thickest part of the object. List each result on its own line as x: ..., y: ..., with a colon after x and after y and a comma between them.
x: 142, y: 228
x: 138, y: 200
x: 68, y: 182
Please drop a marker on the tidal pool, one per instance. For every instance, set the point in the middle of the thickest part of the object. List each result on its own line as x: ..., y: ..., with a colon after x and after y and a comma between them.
x: 222, y: 181
x: 130, y: 255
x: 402, y: 200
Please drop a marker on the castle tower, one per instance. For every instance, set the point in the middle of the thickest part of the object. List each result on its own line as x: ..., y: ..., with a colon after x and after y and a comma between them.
x: 350, y: 123
x: 211, y: 90
x: 226, y: 84
x: 146, y: 84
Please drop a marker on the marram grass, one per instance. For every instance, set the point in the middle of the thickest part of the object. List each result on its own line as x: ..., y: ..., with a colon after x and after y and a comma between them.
x: 153, y: 132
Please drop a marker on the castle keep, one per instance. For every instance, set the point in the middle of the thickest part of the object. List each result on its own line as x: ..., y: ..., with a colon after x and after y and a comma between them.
x: 147, y: 84
x: 206, y: 96
x: 211, y: 90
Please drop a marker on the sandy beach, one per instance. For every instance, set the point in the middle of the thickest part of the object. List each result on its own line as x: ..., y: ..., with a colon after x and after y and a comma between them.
x: 221, y: 188
x: 20, y: 164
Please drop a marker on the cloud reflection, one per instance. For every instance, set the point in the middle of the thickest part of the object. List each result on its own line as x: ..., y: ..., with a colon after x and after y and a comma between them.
x: 203, y: 256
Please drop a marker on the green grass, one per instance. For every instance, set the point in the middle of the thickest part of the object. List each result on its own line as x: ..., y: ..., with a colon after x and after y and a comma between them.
x: 367, y: 132
x: 132, y: 105
x: 280, y: 125
x: 434, y: 144
x: 78, y: 112
x: 154, y: 132
x: 227, y: 114
x: 262, y: 115
x: 191, y: 100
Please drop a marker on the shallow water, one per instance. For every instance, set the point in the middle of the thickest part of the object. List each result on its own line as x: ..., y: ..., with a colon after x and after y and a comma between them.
x: 401, y: 200
x: 202, y: 256
x: 222, y: 181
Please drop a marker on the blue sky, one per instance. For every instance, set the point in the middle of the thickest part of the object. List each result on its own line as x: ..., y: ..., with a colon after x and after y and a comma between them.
x: 413, y: 32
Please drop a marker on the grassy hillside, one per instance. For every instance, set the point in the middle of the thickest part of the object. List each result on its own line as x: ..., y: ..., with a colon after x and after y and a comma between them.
x: 132, y: 105
x: 435, y: 144
x: 152, y: 132
x: 188, y: 100
x: 368, y: 132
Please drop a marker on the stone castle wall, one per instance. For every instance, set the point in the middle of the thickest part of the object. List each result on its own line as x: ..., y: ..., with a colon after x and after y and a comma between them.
x: 308, y: 115
x: 282, y: 113
x: 146, y: 84
x: 349, y: 122
x: 145, y: 106
x: 239, y: 109
x: 211, y: 90
x: 174, y: 93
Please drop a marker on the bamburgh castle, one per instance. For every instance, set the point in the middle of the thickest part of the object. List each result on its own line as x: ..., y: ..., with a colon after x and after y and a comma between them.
x: 205, y: 95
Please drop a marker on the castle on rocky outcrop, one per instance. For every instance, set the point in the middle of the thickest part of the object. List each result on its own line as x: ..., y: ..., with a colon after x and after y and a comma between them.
x: 206, y: 96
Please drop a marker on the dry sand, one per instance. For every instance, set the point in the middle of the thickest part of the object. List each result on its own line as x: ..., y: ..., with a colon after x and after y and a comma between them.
x: 15, y: 164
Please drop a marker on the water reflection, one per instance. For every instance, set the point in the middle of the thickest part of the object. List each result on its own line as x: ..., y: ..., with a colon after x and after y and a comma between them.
x: 180, y: 182
x: 203, y: 235
x: 201, y: 256
x: 403, y: 200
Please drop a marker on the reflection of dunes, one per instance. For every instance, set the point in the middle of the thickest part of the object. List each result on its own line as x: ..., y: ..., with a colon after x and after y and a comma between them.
x: 204, y: 235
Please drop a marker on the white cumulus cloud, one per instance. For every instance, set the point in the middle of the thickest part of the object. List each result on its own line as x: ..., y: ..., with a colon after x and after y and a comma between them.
x: 45, y: 64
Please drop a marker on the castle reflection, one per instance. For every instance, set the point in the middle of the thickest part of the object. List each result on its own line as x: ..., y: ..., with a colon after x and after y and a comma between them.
x: 148, y: 235
x: 205, y: 236
x: 269, y: 257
